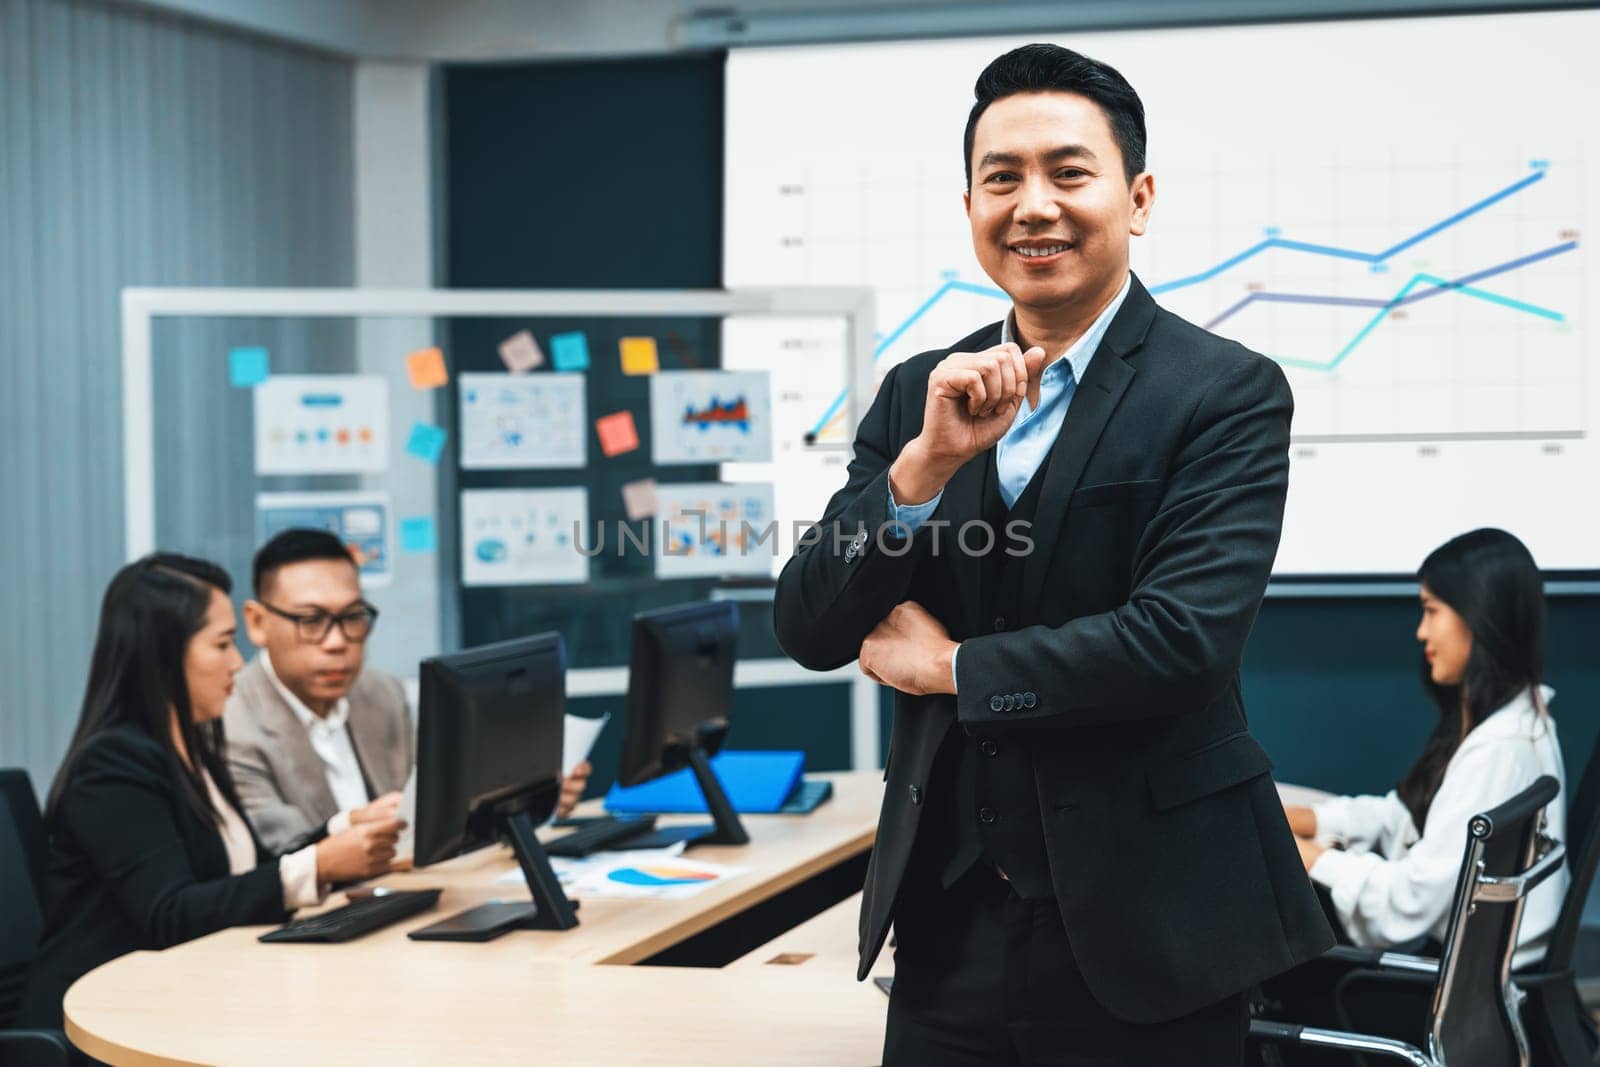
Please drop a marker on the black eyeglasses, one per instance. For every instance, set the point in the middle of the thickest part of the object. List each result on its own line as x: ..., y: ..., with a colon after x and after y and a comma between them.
x: 356, y: 624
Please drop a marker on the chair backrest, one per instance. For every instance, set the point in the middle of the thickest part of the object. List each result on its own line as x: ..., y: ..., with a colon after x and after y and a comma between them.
x: 16, y: 791
x: 21, y: 917
x: 1475, y: 1020
x: 1583, y: 854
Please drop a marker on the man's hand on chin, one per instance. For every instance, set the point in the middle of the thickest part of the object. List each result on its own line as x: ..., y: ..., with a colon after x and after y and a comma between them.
x: 910, y: 651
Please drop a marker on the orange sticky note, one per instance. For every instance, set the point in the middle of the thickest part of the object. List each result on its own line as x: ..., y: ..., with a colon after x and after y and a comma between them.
x: 427, y: 369
x: 617, y: 433
x: 639, y: 355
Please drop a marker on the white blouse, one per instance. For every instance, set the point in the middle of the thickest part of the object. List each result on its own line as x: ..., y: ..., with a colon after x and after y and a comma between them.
x: 297, y: 870
x: 1406, y: 891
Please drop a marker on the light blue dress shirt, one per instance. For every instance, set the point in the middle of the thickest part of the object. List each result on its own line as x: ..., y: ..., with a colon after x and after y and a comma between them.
x: 1033, y: 432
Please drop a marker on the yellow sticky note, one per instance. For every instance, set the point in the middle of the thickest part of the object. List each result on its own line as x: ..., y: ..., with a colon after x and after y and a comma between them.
x: 427, y: 370
x: 639, y: 355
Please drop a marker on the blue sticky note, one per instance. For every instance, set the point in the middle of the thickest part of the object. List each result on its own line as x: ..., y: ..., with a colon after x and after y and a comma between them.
x: 570, y: 351
x: 248, y: 367
x: 426, y: 442
x: 417, y: 534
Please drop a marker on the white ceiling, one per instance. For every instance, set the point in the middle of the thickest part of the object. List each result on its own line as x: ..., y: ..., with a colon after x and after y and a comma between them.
x: 506, y: 30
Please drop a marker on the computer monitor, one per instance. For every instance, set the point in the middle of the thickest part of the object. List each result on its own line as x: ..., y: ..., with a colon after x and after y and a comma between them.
x: 489, y: 766
x: 680, y: 690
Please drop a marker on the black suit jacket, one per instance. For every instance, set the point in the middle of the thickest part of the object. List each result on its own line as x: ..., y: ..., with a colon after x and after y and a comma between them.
x: 1177, y: 877
x: 133, y: 867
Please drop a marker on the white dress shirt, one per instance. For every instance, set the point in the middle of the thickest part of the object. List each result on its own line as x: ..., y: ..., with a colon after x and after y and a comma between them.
x: 297, y: 870
x: 330, y: 740
x: 1391, y: 884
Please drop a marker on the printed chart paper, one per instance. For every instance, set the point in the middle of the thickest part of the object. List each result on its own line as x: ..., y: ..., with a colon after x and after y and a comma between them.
x: 523, y: 536
x: 362, y: 521
x: 710, y: 530
x: 522, y: 421
x: 322, y: 424
x: 710, y: 417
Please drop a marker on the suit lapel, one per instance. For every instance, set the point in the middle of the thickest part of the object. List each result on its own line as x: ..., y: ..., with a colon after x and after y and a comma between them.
x: 298, y: 766
x: 963, y: 503
x: 367, y: 737
x: 1097, y: 396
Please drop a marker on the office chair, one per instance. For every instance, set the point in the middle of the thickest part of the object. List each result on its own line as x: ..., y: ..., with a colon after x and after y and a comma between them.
x: 1474, y: 1019
x: 21, y: 923
x: 16, y: 790
x: 1560, y: 1030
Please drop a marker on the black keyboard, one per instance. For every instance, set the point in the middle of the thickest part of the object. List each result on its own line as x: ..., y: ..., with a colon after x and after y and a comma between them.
x: 357, y: 917
x: 603, y: 833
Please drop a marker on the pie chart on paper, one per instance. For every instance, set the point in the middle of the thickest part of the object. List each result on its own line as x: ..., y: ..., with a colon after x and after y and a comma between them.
x: 660, y: 876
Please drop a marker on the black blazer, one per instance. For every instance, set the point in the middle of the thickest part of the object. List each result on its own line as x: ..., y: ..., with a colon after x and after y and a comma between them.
x: 133, y: 867
x: 1172, y: 862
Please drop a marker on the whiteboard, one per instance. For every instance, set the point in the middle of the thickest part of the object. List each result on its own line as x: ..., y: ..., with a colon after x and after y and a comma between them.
x: 1395, y: 210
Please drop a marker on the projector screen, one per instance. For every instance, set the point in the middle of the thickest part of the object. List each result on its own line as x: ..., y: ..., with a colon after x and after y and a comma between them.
x: 1394, y: 210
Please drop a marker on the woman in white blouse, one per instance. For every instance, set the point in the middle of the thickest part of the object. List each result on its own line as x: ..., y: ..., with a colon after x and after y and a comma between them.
x: 147, y: 846
x: 1390, y: 863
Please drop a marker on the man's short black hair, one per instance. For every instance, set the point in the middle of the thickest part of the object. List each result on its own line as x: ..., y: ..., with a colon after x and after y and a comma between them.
x: 1049, y: 68
x: 295, y: 546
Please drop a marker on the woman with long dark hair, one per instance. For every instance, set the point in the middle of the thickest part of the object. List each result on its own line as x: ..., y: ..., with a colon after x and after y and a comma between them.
x: 1390, y: 863
x: 147, y: 846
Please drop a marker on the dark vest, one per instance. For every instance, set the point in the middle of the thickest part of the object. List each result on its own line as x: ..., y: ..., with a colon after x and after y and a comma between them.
x: 990, y: 810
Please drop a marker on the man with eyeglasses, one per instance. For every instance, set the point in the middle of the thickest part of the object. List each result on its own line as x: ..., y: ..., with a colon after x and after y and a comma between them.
x: 316, y: 743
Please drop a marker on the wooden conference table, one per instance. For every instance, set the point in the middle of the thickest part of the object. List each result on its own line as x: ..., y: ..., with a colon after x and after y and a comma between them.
x: 530, y: 995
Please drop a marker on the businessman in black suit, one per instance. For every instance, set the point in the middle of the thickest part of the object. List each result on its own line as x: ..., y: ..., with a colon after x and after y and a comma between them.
x: 1053, y: 542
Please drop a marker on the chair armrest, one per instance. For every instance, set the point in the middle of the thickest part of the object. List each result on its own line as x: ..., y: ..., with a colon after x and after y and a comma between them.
x: 1382, y: 959
x: 1400, y: 961
x: 1315, y: 1037
x: 35, y: 1048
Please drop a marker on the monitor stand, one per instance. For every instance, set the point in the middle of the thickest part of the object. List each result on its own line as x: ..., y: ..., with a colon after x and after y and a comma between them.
x: 548, y: 910
x: 724, y: 828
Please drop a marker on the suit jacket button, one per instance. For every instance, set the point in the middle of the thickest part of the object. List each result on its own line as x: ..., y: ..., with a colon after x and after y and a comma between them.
x: 916, y: 794
x: 988, y: 747
x: 999, y: 623
x: 1009, y: 702
x: 1029, y: 700
x: 997, y: 703
x: 987, y: 815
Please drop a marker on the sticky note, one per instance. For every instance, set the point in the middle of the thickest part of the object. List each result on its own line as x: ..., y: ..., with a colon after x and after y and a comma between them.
x: 639, y: 498
x: 617, y: 433
x: 248, y: 367
x: 570, y: 351
x: 639, y: 355
x: 427, y: 369
x: 521, y: 353
x: 417, y: 534
x: 426, y: 442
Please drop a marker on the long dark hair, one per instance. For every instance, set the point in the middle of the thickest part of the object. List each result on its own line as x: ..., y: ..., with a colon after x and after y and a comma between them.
x: 151, y: 610
x: 1488, y: 577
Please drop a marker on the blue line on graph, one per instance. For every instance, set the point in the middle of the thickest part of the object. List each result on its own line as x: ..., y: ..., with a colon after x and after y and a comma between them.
x: 1350, y: 253
x: 1227, y: 264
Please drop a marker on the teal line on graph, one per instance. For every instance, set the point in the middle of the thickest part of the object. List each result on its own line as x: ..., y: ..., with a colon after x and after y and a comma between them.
x: 1417, y: 279
x: 1195, y: 279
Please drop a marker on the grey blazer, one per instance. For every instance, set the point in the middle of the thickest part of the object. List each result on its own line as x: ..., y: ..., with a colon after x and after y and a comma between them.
x: 278, y: 774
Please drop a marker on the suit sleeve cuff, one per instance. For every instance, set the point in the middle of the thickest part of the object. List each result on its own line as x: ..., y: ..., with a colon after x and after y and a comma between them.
x: 955, y: 679
x: 298, y: 871
x: 911, y: 516
x: 339, y: 823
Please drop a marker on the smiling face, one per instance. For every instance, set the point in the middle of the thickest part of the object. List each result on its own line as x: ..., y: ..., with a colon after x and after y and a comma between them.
x: 1446, y: 640
x: 1050, y: 207
x: 211, y: 660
